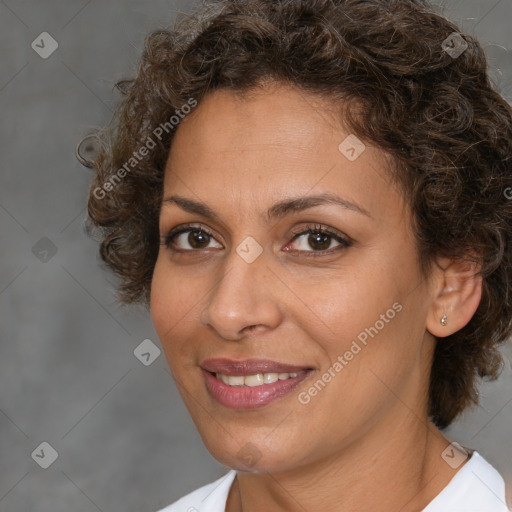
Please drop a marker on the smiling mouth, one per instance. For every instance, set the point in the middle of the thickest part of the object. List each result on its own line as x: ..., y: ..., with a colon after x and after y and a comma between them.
x: 251, y: 383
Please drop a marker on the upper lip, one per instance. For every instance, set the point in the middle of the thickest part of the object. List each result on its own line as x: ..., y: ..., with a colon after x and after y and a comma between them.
x: 249, y: 366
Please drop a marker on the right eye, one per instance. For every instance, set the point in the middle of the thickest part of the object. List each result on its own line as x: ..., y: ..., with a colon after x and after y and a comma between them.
x: 189, y: 238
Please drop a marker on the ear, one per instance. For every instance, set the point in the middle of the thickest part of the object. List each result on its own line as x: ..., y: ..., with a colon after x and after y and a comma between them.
x: 457, y: 290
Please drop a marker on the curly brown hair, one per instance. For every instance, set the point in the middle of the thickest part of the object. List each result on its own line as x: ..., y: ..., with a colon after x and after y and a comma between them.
x: 449, y: 134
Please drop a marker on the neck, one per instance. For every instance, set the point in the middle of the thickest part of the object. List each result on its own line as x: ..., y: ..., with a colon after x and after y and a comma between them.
x: 385, y: 470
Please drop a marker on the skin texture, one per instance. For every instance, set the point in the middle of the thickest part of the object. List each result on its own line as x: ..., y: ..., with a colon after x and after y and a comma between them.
x: 364, y: 441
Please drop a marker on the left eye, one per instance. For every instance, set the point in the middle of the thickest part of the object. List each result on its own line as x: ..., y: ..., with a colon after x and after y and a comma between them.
x: 318, y: 240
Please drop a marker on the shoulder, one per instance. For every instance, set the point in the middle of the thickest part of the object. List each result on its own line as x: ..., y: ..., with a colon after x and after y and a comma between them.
x: 209, y: 498
x: 476, y: 487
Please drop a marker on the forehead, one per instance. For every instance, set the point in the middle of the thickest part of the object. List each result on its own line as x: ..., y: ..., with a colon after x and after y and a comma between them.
x: 276, y: 116
x: 270, y: 143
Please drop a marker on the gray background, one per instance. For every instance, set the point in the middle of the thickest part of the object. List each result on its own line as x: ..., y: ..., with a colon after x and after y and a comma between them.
x: 68, y: 374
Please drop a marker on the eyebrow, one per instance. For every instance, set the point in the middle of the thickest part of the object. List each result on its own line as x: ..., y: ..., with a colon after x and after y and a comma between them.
x: 278, y: 210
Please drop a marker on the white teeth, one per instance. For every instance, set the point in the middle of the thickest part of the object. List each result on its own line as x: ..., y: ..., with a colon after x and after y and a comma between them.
x: 255, y: 380
x: 269, y: 378
x: 234, y: 380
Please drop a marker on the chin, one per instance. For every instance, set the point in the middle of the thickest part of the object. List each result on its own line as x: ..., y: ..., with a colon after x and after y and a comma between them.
x: 251, y: 456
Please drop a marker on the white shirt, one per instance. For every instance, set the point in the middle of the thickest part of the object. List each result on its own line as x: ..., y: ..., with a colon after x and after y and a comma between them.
x: 476, y: 487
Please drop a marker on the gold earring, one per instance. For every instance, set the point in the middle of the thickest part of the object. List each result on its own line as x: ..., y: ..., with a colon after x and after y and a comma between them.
x: 444, y: 320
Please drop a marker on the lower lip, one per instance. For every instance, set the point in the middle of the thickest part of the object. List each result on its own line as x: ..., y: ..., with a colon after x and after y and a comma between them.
x: 246, y: 397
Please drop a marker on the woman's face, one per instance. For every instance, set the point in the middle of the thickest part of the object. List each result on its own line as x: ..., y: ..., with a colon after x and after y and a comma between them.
x: 290, y: 304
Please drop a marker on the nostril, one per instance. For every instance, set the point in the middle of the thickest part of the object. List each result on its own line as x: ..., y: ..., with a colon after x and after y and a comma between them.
x: 250, y: 328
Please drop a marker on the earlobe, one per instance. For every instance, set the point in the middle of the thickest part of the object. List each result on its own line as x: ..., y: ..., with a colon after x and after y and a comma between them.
x: 456, y: 292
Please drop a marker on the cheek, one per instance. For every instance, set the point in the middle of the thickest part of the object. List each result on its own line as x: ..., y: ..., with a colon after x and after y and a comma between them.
x: 363, y: 315
x: 160, y: 297
x: 342, y: 304
x: 172, y: 307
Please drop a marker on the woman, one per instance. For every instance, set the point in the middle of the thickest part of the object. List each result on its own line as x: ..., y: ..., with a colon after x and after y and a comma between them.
x: 310, y: 196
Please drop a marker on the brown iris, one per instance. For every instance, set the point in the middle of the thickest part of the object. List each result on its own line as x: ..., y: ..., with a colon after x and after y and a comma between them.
x: 319, y: 241
x: 198, y: 239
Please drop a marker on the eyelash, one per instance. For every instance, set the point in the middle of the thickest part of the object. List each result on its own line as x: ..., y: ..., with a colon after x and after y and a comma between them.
x: 309, y: 229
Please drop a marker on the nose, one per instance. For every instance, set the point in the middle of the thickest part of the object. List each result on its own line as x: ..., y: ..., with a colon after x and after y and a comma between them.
x: 244, y: 299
